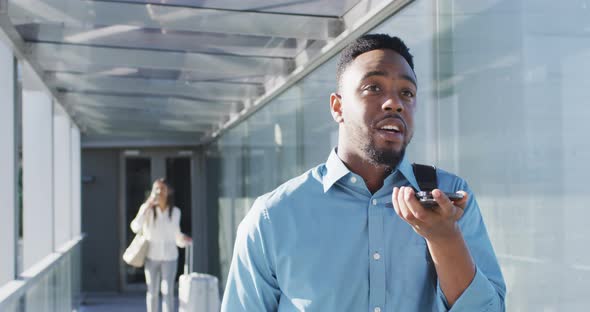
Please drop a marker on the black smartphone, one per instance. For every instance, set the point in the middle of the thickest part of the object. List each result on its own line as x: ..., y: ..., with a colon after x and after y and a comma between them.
x: 428, y: 201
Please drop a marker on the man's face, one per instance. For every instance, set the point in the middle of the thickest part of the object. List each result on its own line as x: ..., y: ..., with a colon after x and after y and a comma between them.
x: 375, y: 108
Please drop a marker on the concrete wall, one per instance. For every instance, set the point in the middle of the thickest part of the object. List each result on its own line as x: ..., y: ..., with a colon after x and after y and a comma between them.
x: 100, y: 220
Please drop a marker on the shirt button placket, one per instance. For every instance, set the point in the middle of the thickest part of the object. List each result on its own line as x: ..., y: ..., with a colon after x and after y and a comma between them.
x: 376, y: 265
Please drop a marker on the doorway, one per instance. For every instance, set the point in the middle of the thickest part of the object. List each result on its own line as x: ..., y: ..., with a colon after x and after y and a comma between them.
x: 139, y: 170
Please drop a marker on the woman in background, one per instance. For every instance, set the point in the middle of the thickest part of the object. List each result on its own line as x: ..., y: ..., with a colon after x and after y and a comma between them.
x: 159, y: 220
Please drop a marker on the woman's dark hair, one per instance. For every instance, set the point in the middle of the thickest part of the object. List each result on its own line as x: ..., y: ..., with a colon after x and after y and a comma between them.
x: 368, y: 43
x: 169, y: 197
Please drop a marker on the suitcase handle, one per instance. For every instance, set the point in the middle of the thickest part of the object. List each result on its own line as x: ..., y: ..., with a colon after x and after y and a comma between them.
x: 188, y: 258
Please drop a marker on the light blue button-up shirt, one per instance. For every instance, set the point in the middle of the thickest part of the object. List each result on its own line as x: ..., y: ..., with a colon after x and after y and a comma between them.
x: 323, y: 242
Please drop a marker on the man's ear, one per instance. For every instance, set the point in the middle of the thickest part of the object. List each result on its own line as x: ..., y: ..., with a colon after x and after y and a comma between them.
x: 336, y: 107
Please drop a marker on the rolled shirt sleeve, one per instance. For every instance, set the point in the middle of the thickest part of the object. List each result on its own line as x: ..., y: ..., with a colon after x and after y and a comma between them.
x: 480, y: 295
x: 487, y: 290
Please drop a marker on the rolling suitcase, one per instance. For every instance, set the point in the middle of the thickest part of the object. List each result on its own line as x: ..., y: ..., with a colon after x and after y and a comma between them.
x: 197, y: 292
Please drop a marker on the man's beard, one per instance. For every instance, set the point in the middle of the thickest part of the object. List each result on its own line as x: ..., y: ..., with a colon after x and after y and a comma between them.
x: 382, y: 157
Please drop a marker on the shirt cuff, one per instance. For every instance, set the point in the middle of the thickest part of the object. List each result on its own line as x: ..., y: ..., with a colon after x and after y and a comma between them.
x: 480, y: 295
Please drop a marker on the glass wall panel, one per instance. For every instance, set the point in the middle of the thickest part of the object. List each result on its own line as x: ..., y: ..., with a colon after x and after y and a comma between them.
x: 273, y: 153
x: 231, y: 193
x: 518, y: 80
x: 414, y: 25
x: 320, y: 131
x: 501, y: 102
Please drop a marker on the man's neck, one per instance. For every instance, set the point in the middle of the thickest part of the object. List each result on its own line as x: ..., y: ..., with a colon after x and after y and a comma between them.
x: 373, y: 174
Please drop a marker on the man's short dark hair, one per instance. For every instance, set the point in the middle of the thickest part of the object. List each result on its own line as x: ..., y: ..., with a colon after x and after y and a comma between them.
x: 368, y: 43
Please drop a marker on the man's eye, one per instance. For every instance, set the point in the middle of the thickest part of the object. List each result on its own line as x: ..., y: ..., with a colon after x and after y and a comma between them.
x: 408, y: 93
x: 372, y: 88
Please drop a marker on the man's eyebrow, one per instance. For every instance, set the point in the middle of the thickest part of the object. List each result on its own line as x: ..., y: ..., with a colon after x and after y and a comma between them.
x: 384, y: 74
x: 410, y: 79
x: 374, y: 73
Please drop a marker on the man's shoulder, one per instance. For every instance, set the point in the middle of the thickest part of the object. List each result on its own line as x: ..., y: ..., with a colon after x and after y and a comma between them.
x: 446, y: 174
x: 449, y: 181
x: 303, y: 185
x: 286, y: 195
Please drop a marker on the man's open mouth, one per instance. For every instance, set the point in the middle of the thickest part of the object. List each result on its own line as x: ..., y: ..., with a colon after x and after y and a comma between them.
x: 392, y: 124
x: 391, y: 128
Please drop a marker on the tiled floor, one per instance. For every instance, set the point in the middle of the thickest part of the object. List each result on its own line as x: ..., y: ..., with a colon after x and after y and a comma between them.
x: 128, y: 302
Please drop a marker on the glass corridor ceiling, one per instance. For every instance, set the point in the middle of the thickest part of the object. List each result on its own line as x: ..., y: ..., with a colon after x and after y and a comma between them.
x: 168, y: 70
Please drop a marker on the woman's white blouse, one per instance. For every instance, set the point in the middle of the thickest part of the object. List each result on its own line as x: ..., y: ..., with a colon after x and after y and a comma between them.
x: 163, y: 233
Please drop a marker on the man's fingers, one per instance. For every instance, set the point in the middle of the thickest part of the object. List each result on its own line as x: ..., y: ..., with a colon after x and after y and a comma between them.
x: 394, y: 200
x: 402, y: 209
x: 406, y: 205
x: 446, y: 206
x: 413, y: 205
x: 462, y: 203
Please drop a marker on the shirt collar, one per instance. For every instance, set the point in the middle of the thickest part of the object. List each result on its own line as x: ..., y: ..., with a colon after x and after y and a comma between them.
x: 336, y: 170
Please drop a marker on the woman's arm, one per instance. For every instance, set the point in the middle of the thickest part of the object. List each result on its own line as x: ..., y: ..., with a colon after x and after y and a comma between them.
x: 137, y: 223
x: 182, y: 240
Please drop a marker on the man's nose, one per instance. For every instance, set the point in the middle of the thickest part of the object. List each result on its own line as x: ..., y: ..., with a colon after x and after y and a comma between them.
x: 393, y: 103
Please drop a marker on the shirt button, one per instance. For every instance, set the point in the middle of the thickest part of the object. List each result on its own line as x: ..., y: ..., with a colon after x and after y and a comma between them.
x: 376, y: 256
x: 374, y: 202
x: 377, y: 309
x: 353, y: 179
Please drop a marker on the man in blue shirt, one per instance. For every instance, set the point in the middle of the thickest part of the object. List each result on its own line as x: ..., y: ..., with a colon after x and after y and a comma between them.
x: 330, y: 240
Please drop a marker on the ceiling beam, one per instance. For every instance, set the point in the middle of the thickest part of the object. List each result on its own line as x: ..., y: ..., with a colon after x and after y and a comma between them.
x: 65, y: 54
x: 147, y: 114
x: 88, y: 13
x: 120, y: 141
x: 105, y: 84
x: 71, y: 99
x: 154, y: 134
x: 154, y: 111
x: 95, y: 121
x: 174, y: 41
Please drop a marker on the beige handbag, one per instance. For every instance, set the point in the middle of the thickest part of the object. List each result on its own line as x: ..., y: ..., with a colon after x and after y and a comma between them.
x: 135, y: 254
